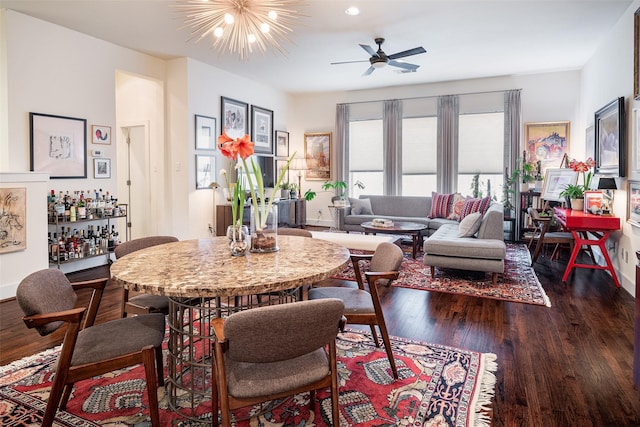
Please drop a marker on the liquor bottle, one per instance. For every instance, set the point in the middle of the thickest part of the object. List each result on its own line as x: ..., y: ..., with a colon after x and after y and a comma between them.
x: 67, y: 207
x: 62, y: 250
x: 73, y: 211
x: 53, y: 247
x: 82, y: 208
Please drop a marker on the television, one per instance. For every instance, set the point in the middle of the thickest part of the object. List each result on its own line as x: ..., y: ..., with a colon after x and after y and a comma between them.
x: 266, y: 164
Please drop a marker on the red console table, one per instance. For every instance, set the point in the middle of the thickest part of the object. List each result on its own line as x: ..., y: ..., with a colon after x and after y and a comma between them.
x: 582, y: 224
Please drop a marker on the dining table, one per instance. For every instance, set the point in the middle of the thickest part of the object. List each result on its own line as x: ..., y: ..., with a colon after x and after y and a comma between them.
x: 202, y: 281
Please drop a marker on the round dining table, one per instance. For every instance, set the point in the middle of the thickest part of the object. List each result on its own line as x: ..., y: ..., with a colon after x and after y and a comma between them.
x: 203, y: 280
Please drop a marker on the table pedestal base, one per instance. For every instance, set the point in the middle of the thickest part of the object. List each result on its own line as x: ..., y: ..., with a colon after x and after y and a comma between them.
x: 599, y: 241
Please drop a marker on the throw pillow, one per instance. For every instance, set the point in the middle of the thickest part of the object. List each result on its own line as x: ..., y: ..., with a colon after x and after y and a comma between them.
x: 360, y: 206
x: 472, y: 205
x: 456, y: 206
x: 440, y: 205
x: 470, y: 225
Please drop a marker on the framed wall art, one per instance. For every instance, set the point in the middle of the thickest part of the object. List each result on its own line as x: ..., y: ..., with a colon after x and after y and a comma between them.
x: 636, y: 54
x: 282, y: 143
x: 555, y: 181
x: 206, y: 138
x: 609, y: 132
x: 633, y: 203
x: 635, y: 142
x: 58, y: 145
x: 547, y: 142
x: 317, y: 152
x: 205, y: 170
x: 13, y: 227
x: 101, y: 168
x: 262, y: 129
x: 280, y: 165
x: 101, y: 134
x: 234, y: 117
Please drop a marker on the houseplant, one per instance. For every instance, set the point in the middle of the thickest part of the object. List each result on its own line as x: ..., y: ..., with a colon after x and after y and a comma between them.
x: 340, y: 188
x: 574, y: 193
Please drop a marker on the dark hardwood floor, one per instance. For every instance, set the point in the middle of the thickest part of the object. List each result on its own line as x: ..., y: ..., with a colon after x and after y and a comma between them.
x: 567, y: 365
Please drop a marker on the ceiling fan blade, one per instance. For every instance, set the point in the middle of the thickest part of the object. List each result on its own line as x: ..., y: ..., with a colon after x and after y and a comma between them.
x: 369, y: 49
x: 347, y: 62
x: 369, y: 71
x: 405, y: 65
x: 414, y: 51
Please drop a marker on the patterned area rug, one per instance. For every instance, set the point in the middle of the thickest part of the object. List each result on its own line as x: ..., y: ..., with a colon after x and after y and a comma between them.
x: 437, y: 386
x: 519, y: 282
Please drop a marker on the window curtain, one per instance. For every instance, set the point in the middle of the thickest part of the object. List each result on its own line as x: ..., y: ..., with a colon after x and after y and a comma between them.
x: 392, y: 129
x: 341, y: 143
x: 512, y: 126
x: 448, y: 110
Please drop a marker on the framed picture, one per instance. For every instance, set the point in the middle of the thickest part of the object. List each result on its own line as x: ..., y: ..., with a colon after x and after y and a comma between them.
x: 555, y: 181
x: 609, y: 131
x: 280, y: 164
x: 101, y: 168
x: 205, y: 170
x: 282, y: 143
x: 101, y: 134
x: 235, y: 115
x: 13, y: 227
x: 635, y: 151
x: 590, y: 142
x: 633, y: 203
x: 593, y: 202
x: 547, y: 142
x: 206, y: 138
x: 317, y: 152
x: 58, y: 145
x: 636, y: 54
x: 262, y: 129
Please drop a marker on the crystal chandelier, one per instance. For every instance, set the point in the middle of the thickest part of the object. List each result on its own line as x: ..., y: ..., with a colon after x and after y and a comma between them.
x: 240, y: 26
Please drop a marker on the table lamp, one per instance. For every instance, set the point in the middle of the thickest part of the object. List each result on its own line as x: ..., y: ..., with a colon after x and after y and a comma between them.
x: 608, y: 185
x: 299, y: 164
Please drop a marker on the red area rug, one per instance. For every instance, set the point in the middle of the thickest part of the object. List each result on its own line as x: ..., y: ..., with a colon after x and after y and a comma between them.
x: 519, y: 282
x: 437, y: 386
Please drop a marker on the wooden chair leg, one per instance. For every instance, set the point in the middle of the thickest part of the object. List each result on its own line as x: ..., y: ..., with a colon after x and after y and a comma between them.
x: 159, y: 365
x: 433, y: 271
x: 494, y: 279
x: 149, y: 362
x: 387, y: 345
x: 335, y: 406
x: 123, y: 303
x: 66, y: 393
x: 54, y: 401
x: 374, y: 335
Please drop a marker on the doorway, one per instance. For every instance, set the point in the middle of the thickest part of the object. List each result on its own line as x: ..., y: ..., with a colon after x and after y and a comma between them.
x: 136, y: 138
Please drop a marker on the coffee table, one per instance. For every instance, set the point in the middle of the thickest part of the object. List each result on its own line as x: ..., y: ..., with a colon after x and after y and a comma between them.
x: 411, y: 228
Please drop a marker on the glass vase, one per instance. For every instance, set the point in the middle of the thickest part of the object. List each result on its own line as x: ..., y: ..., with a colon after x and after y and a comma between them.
x: 238, y: 239
x: 264, y: 229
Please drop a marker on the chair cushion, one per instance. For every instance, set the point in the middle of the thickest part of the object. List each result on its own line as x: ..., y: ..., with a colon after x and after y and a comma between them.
x: 360, y: 206
x: 356, y: 301
x: 118, y: 337
x: 470, y: 225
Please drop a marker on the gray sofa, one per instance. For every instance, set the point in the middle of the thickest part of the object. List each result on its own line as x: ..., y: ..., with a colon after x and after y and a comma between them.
x: 395, y: 208
x: 485, y: 251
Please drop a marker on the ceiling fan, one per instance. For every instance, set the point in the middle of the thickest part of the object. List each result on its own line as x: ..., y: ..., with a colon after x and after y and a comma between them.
x: 379, y: 59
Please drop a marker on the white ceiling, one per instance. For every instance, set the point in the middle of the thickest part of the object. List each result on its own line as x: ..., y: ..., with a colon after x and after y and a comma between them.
x: 463, y: 39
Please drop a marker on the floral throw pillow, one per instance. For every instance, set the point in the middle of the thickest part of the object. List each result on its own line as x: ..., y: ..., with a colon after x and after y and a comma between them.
x: 456, y: 207
x: 472, y: 205
x: 440, y: 205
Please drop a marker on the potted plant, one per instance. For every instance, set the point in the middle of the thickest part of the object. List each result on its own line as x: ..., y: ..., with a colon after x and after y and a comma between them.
x: 285, y: 189
x: 293, y: 190
x: 509, y: 189
x: 574, y: 193
x: 340, y: 188
x: 528, y: 175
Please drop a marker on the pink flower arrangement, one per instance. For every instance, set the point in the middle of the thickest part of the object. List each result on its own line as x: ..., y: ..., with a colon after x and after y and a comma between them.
x: 585, y: 169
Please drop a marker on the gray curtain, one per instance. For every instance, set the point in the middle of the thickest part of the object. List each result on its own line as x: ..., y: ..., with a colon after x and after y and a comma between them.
x: 392, y: 129
x: 448, y: 109
x: 341, y: 143
x: 512, y: 126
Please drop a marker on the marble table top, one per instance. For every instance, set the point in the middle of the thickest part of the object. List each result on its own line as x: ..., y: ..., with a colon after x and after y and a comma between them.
x: 205, y: 267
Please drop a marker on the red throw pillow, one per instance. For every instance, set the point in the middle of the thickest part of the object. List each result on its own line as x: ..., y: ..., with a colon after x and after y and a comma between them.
x: 472, y: 205
x: 440, y: 205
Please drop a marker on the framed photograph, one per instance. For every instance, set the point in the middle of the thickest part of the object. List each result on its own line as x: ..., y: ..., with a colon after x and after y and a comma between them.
x: 555, y: 181
x: 13, y: 227
x: 58, y: 145
x: 593, y: 202
x: 547, y: 142
x: 234, y: 117
x: 206, y: 138
x: 101, y: 168
x: 280, y: 164
x: 636, y: 54
x: 205, y: 170
x: 262, y: 129
x: 282, y: 143
x: 101, y: 134
x: 609, y: 131
x: 317, y: 152
x: 633, y: 203
x: 635, y: 134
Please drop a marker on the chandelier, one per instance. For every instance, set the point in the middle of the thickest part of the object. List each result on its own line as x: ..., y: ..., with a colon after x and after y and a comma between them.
x: 240, y: 26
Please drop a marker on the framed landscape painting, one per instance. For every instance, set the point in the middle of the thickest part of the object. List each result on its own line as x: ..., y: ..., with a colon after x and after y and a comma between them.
x: 547, y: 142
x: 317, y: 152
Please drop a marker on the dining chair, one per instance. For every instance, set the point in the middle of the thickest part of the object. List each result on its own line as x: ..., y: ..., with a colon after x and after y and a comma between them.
x: 362, y: 305
x: 294, y: 232
x: 142, y: 303
x: 47, y: 299
x: 544, y: 236
x: 273, y: 352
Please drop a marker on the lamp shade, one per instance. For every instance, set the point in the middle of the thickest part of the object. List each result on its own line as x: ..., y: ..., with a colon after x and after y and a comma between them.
x: 607, y: 184
x: 298, y: 164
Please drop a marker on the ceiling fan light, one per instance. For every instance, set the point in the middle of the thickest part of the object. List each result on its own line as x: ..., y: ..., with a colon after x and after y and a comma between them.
x: 273, y: 15
x: 380, y: 64
x: 251, y: 38
x: 352, y: 11
x: 228, y: 18
x: 218, y: 32
x: 264, y: 27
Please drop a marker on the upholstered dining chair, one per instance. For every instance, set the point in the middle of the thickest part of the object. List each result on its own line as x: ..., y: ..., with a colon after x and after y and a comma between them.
x: 142, y: 303
x: 544, y: 236
x: 276, y: 351
x: 47, y: 299
x: 294, y: 232
x: 362, y: 305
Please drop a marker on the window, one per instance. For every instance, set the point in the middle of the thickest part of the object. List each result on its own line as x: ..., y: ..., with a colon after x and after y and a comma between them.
x: 366, y: 157
x: 419, y: 164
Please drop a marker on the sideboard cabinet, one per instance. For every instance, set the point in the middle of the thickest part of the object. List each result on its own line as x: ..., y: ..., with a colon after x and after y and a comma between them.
x: 291, y: 213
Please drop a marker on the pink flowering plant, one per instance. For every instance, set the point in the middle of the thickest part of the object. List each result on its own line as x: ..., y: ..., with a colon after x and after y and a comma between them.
x: 577, y: 191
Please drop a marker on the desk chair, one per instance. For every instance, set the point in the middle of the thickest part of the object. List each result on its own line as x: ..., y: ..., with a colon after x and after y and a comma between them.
x: 142, y: 303
x: 362, y: 306
x: 544, y: 236
x: 255, y: 361
x: 47, y: 299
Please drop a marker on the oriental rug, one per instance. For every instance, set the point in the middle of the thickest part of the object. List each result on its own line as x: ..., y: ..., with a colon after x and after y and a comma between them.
x: 519, y: 282
x: 437, y: 386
